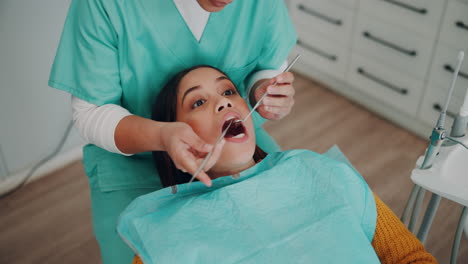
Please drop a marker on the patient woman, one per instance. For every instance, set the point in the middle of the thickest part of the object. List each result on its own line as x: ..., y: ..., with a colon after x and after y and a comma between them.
x: 294, y: 206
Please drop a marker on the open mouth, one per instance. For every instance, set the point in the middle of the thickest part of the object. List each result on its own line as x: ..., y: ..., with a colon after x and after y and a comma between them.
x: 236, y: 130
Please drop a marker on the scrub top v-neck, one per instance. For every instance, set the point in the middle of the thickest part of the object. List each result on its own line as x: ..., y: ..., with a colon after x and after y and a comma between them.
x: 123, y: 52
x: 194, y: 15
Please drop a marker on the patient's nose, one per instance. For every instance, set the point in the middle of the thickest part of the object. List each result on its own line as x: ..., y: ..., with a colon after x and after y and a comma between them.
x: 224, y: 103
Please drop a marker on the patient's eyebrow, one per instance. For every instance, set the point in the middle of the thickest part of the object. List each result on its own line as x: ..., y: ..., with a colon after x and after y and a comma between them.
x: 188, y: 91
x: 220, y: 78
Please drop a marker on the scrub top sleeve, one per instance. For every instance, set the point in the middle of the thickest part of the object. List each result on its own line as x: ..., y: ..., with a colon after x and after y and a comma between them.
x: 86, y: 63
x: 280, y: 38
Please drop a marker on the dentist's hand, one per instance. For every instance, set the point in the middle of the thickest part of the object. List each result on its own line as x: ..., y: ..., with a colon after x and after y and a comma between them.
x: 279, y: 101
x: 187, y: 150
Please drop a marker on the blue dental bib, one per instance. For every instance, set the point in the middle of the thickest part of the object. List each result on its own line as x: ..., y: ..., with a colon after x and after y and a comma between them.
x: 293, y: 207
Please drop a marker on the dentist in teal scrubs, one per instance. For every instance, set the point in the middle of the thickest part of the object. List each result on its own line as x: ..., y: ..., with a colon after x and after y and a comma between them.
x: 114, y: 57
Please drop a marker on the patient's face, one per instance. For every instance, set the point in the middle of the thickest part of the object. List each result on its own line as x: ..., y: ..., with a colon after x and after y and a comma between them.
x: 207, y: 100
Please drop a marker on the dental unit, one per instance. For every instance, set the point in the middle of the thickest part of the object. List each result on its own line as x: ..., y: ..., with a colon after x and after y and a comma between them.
x: 441, y: 146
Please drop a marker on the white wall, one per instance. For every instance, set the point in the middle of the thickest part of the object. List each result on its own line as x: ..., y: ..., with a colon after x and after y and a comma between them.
x: 33, y: 116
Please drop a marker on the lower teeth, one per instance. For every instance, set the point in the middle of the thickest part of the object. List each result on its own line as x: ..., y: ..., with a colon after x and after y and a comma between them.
x: 239, y: 136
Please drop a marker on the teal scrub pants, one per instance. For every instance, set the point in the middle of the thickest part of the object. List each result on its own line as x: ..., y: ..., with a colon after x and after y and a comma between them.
x: 107, y: 206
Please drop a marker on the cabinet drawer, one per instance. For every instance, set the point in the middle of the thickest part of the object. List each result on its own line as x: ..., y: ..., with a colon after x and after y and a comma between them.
x: 432, y: 104
x: 422, y: 16
x: 347, y: 3
x: 443, y: 66
x: 385, y: 84
x: 324, y: 54
x: 329, y: 18
x: 455, y: 25
x: 393, y: 46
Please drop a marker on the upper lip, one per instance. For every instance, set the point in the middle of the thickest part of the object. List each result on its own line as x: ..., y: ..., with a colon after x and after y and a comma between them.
x: 227, y: 116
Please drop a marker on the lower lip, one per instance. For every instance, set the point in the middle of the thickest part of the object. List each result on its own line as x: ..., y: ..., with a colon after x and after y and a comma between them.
x: 218, y: 3
x: 238, y: 140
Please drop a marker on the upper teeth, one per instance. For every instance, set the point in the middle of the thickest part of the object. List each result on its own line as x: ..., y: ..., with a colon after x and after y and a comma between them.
x: 232, y: 117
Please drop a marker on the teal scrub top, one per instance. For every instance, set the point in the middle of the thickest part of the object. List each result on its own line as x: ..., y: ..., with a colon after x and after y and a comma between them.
x: 123, y: 52
x: 292, y: 207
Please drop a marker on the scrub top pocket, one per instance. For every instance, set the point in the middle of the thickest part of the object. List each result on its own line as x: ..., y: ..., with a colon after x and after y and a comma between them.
x: 112, y: 172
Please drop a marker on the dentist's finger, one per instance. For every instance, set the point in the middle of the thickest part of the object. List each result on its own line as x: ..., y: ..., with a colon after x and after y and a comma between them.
x: 196, y: 143
x: 285, y: 77
x: 191, y: 166
x: 281, y: 89
x: 215, y: 156
x: 278, y: 101
x: 180, y: 157
x: 279, y: 112
x: 203, y: 177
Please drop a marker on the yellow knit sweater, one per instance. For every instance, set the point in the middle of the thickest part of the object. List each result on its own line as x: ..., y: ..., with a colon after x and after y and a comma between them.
x: 393, y: 242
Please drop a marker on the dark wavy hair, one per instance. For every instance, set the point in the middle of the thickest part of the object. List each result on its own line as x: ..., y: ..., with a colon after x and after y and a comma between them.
x: 164, y: 110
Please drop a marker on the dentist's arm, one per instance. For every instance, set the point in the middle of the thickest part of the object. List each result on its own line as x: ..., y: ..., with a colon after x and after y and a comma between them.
x: 187, y: 150
x: 114, y: 129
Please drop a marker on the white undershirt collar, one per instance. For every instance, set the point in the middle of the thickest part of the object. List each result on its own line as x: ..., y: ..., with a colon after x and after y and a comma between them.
x: 194, y: 15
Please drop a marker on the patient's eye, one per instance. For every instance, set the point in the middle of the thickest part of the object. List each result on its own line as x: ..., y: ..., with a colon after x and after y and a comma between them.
x: 229, y: 92
x: 198, y: 103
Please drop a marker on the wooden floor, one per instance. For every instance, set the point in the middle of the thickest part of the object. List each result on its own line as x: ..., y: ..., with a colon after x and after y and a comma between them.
x: 49, y: 220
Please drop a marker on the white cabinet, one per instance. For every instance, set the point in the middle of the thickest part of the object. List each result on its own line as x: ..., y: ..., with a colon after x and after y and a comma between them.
x: 324, y: 33
x: 420, y: 17
x: 394, y: 56
x: 324, y: 54
x: 394, y: 46
x: 393, y: 87
x: 454, y: 30
x: 453, y: 37
x: 324, y: 17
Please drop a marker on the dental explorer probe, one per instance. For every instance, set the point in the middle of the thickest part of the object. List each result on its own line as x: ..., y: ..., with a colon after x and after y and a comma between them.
x: 230, y: 123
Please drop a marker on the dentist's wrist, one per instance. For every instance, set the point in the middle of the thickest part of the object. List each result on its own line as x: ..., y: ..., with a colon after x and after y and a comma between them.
x: 252, y: 100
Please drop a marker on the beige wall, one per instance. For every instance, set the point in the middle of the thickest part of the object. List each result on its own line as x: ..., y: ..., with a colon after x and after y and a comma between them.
x: 33, y: 116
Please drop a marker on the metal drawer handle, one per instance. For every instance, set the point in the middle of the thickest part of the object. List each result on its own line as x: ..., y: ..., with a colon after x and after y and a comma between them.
x: 395, y: 88
x: 438, y: 108
x: 461, y: 25
x: 449, y: 68
x: 331, y: 20
x: 421, y: 11
x: 389, y: 44
x: 317, y: 51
